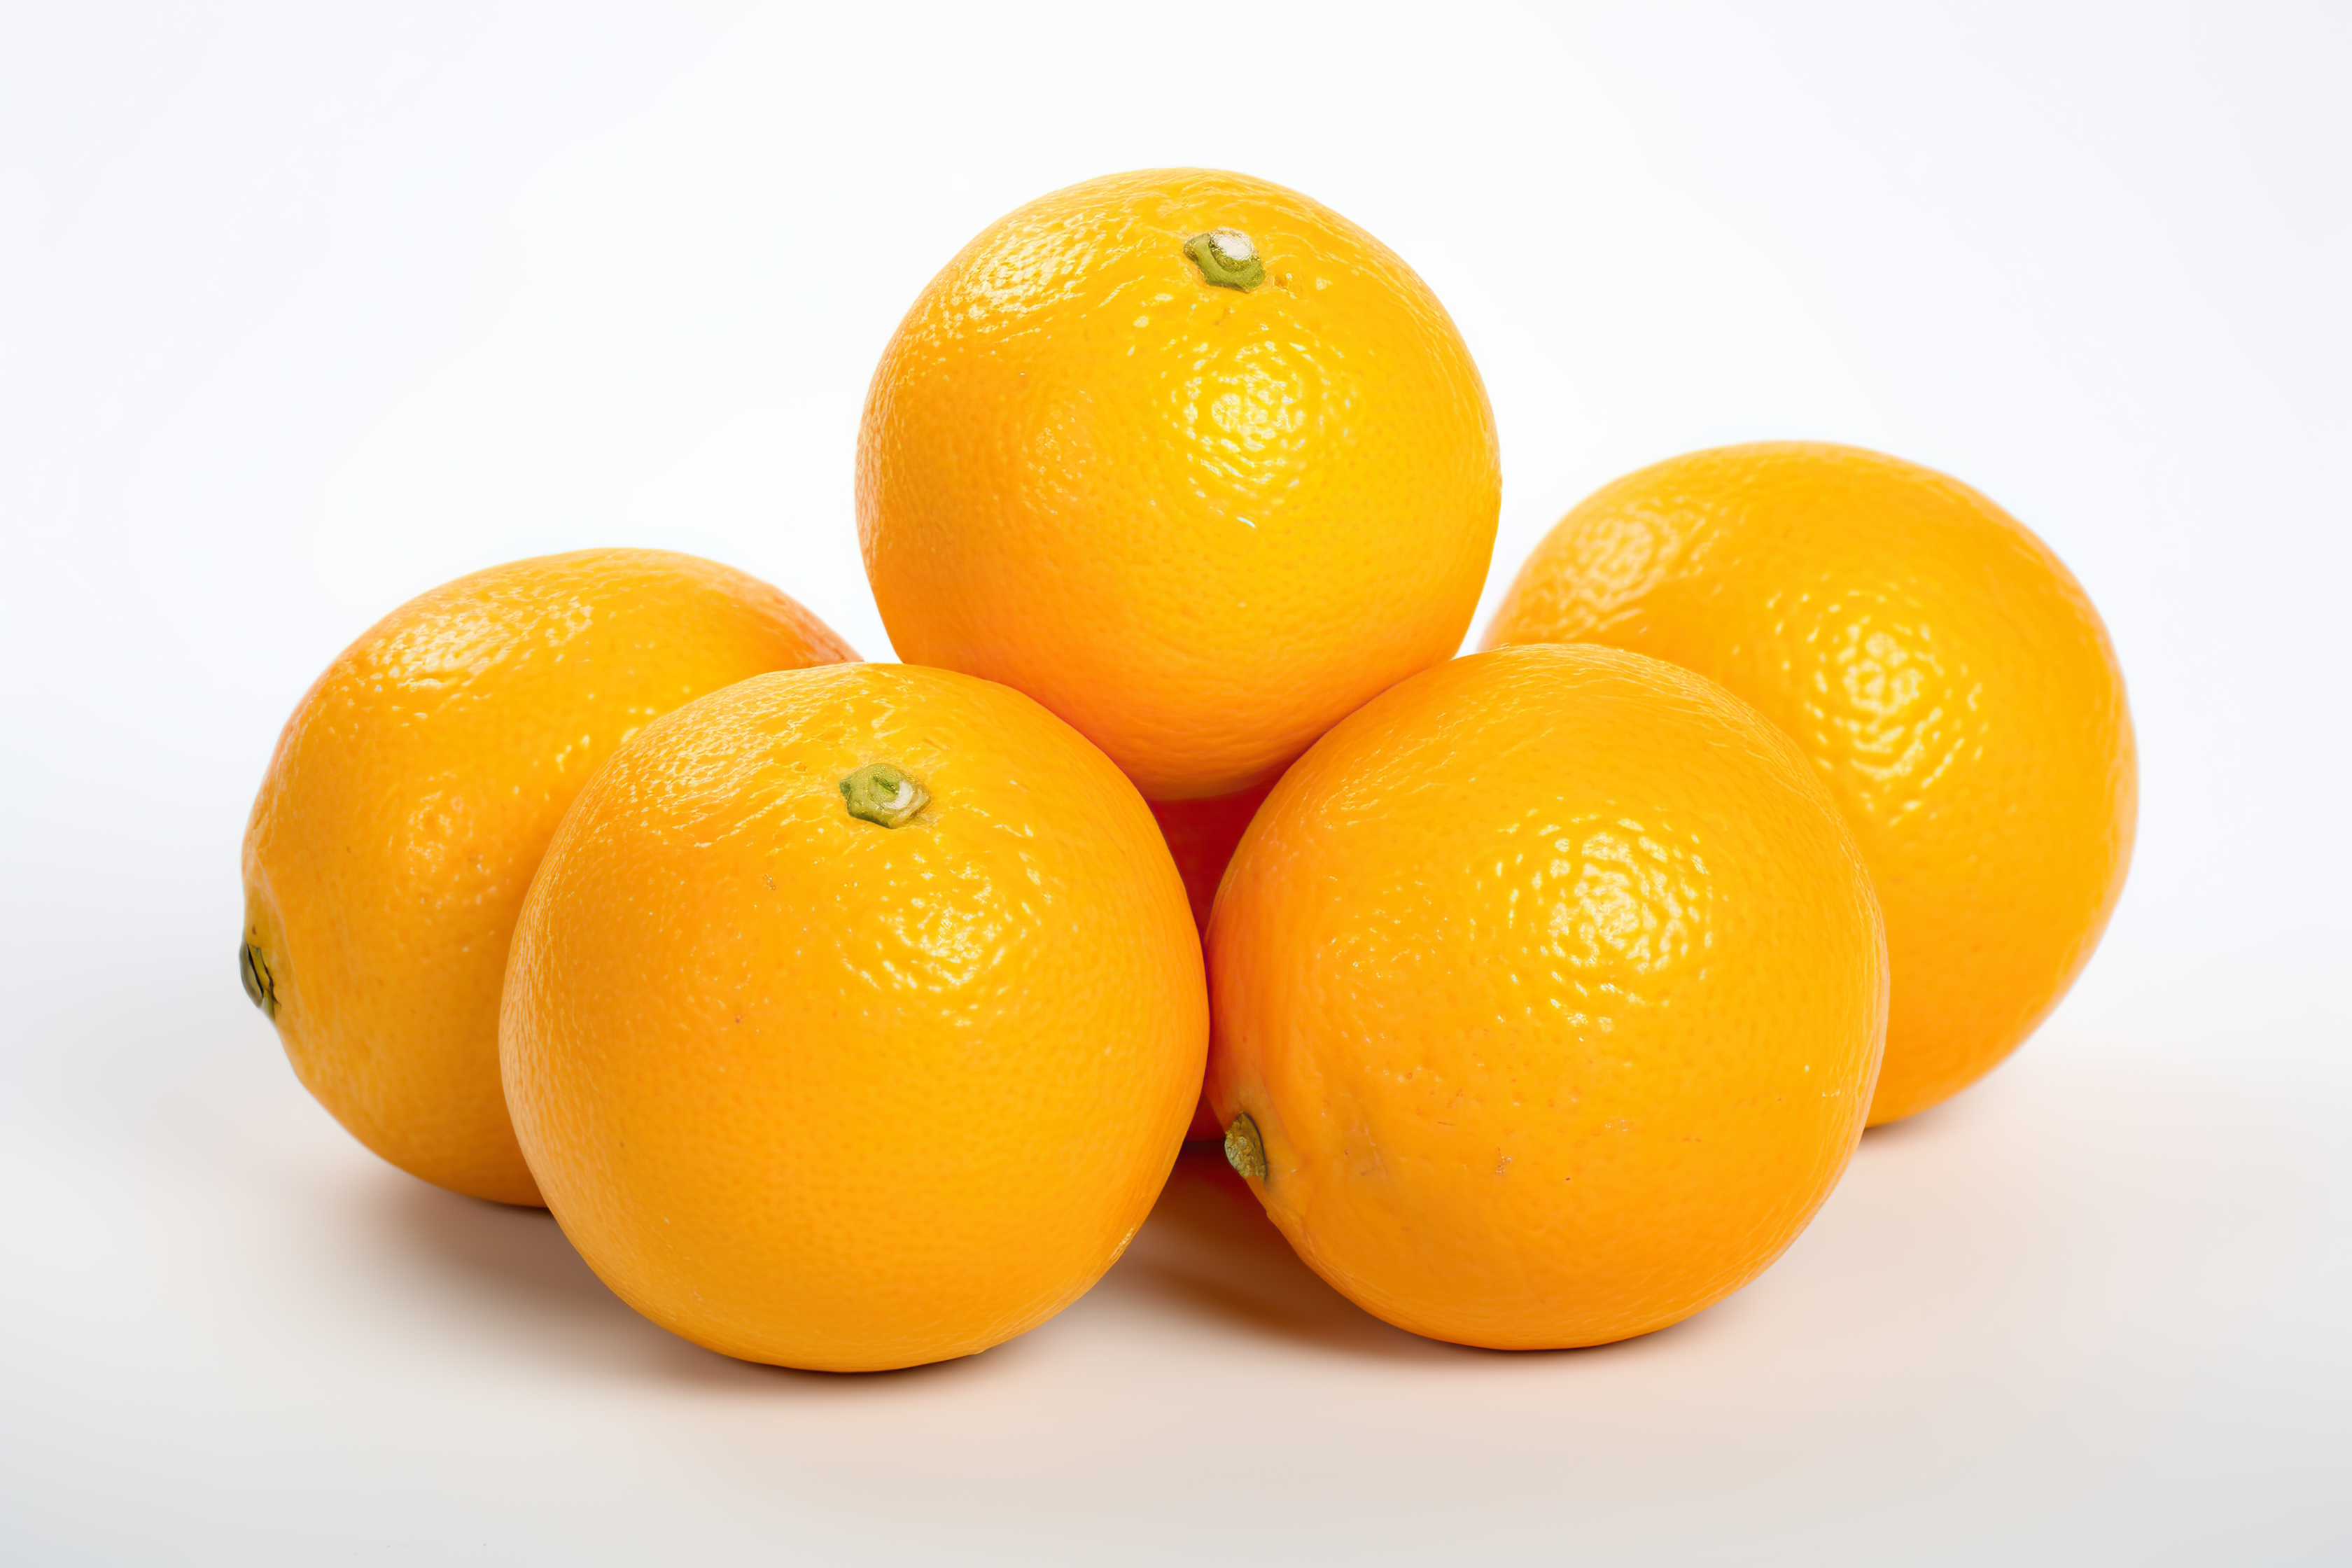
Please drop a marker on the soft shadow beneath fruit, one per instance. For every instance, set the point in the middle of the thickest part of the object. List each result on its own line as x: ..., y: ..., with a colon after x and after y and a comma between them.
x: 512, y: 1256
x: 1208, y: 1251
x: 516, y: 1278
x: 1918, y: 1126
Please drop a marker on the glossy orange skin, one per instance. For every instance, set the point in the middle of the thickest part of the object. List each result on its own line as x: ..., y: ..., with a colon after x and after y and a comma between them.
x: 1555, y: 987
x: 811, y: 1090
x: 412, y: 794
x: 1199, y: 523
x: 1200, y: 836
x: 1942, y: 669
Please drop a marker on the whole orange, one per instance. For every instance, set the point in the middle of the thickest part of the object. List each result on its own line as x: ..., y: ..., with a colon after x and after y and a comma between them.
x: 1548, y: 992
x: 411, y: 797
x: 1189, y: 458
x: 853, y: 1018
x: 1200, y: 836
x: 1945, y: 672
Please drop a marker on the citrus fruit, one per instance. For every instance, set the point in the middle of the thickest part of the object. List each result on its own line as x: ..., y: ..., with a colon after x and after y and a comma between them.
x: 1549, y: 991
x: 1946, y: 674
x: 1188, y: 458
x: 1200, y: 836
x: 854, y: 1017
x: 408, y: 801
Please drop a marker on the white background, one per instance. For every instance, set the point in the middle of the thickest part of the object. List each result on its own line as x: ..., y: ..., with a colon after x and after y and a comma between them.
x: 303, y: 310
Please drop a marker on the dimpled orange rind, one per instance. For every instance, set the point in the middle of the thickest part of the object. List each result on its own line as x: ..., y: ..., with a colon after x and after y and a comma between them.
x: 1199, y: 523
x: 412, y: 794
x: 1948, y: 676
x: 810, y: 1089
x: 1554, y: 987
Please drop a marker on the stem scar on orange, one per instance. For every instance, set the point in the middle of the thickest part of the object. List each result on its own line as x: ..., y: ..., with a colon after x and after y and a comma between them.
x: 1189, y: 458
x: 1949, y: 677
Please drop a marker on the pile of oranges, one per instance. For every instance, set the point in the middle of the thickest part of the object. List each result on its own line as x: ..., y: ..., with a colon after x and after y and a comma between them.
x: 852, y: 1016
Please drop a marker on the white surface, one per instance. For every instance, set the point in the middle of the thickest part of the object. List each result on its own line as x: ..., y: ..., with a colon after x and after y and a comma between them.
x: 303, y: 312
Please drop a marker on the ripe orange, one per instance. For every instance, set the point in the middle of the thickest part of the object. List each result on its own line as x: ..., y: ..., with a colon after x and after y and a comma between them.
x: 1200, y: 836
x: 1945, y: 672
x: 1548, y: 992
x: 1188, y: 458
x: 409, y: 800
x: 809, y: 1088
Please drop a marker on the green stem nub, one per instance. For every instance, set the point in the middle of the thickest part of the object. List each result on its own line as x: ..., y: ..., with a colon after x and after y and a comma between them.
x: 1244, y: 1150
x: 261, y: 986
x: 1227, y: 258
x: 881, y: 793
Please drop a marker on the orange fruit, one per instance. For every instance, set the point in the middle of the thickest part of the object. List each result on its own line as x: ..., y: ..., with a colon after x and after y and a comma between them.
x: 1549, y: 992
x: 1200, y: 836
x: 408, y: 801
x: 1188, y: 458
x: 844, y: 1091
x: 1946, y: 674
